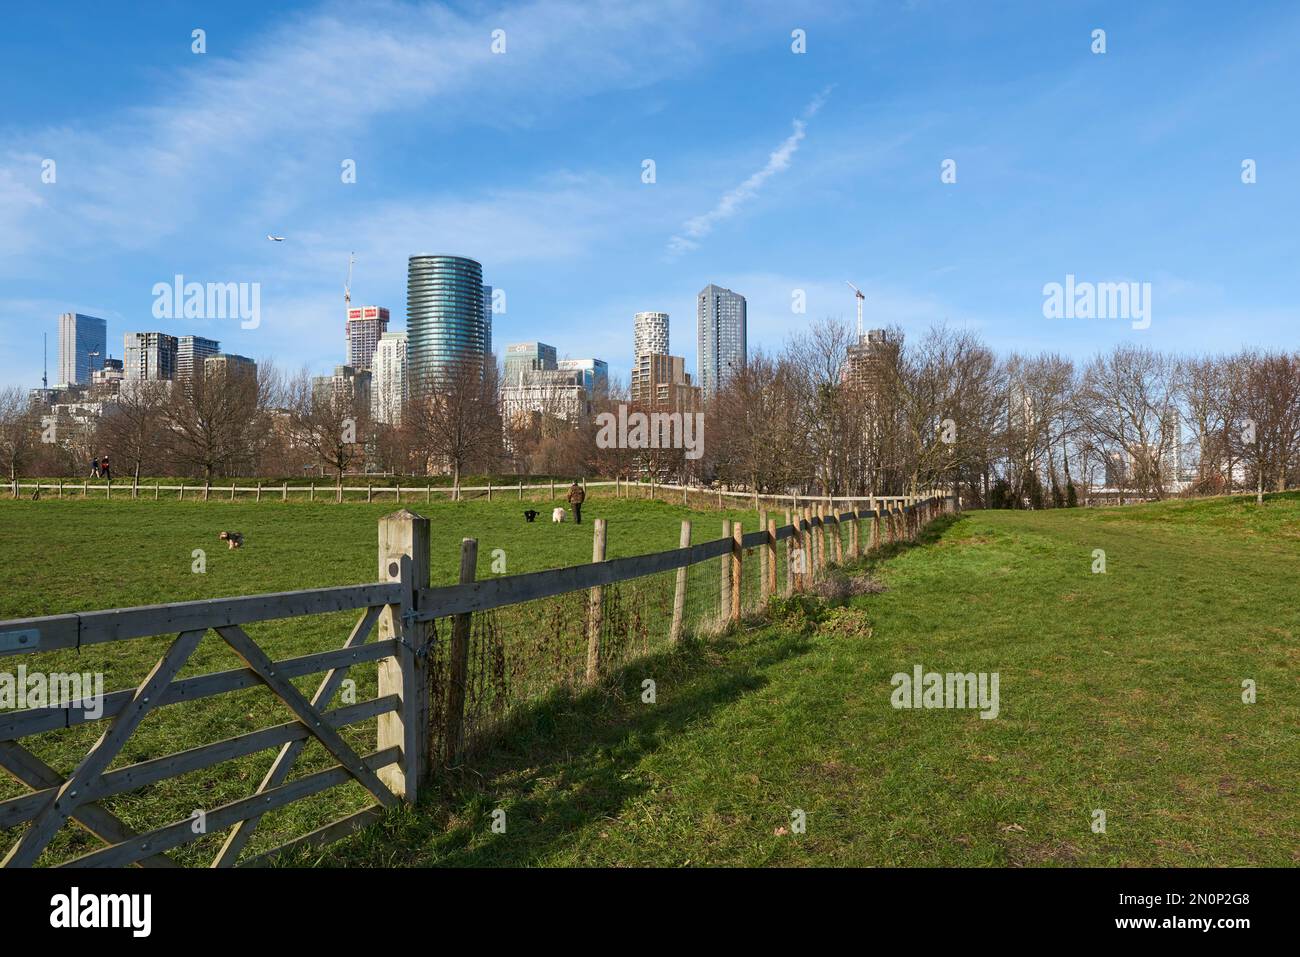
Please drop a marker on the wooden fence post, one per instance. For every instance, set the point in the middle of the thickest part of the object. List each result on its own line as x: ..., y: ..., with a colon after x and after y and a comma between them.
x: 596, y: 607
x: 259, y: 492
x: 458, y: 671
x: 819, y: 532
x: 737, y: 555
x: 770, y: 550
x: 724, y: 591
x: 155, y: 491
x: 311, y: 497
x: 521, y: 488
x: 404, y: 558
x: 789, y: 551
x: 553, y: 487
x: 854, y: 531
x: 284, y: 492
x: 370, y: 493
x: 839, y: 534
x: 762, y: 557
x: 679, y: 592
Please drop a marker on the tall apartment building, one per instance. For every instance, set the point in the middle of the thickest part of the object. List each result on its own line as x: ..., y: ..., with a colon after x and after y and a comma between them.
x: 662, y: 382
x: 82, y: 342
x: 364, y: 327
x: 388, y: 389
x: 721, y: 323
x: 191, y: 351
x: 650, y: 333
x: 595, y: 373
x: 445, y: 322
x: 149, y: 356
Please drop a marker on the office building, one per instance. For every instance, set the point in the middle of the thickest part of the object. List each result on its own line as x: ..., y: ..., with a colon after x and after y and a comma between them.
x: 149, y: 356
x: 388, y: 390
x: 595, y: 373
x: 445, y: 323
x: 228, y: 365
x: 487, y: 319
x: 82, y: 344
x: 191, y: 351
x: 364, y: 327
x: 721, y: 323
x: 527, y: 357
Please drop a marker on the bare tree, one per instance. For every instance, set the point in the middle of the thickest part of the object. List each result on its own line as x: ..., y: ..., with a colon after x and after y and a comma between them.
x: 134, y: 426
x: 19, y: 430
x: 456, y: 422
x: 213, y: 426
x: 329, y: 421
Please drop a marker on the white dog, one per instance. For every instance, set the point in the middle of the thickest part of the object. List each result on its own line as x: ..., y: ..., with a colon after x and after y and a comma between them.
x: 557, y: 515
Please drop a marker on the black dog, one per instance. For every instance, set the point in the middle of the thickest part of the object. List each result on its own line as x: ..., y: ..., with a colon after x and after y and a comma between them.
x: 530, y: 515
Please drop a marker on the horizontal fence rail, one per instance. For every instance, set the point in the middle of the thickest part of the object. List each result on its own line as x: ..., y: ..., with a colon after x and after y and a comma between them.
x: 453, y: 665
x: 412, y: 493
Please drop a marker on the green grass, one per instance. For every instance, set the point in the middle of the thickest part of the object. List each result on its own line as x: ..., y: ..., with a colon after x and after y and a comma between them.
x: 1119, y: 692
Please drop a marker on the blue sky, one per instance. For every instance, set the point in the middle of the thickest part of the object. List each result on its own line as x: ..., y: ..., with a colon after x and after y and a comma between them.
x: 797, y: 171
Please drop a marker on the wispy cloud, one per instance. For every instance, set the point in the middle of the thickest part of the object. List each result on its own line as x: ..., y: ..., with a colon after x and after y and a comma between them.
x: 695, y: 229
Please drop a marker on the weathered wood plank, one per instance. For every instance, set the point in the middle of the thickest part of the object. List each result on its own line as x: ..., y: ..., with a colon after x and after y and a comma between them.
x: 512, y: 589
x: 283, y: 689
x: 96, y: 627
x: 134, y: 776
x: 283, y: 763
x: 328, y: 834
x: 35, y: 773
x: 181, y: 832
x: 29, y: 845
x: 20, y: 724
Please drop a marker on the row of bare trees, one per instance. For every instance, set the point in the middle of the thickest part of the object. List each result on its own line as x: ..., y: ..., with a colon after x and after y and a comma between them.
x: 821, y: 415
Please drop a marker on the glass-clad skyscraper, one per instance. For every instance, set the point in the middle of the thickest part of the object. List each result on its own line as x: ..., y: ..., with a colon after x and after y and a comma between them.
x: 444, y: 315
x: 722, y: 319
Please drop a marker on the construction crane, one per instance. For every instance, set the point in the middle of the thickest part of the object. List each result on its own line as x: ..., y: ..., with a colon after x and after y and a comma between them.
x: 347, y: 286
x: 861, y: 299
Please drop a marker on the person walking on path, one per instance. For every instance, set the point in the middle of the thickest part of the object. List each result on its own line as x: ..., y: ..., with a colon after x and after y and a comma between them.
x: 103, y: 468
x: 94, y: 468
x: 576, y: 497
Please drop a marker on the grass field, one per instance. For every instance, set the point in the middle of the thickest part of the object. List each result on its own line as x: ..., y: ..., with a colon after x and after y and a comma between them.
x: 1119, y: 692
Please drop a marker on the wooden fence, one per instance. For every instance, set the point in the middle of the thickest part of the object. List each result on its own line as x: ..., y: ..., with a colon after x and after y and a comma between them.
x: 401, y: 610
x: 398, y: 493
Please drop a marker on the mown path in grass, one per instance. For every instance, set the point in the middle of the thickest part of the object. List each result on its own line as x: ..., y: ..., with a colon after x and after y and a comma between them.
x: 1119, y: 692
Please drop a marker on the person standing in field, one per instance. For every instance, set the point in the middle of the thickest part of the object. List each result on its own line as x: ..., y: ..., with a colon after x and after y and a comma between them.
x: 103, y: 468
x: 94, y: 468
x: 576, y: 497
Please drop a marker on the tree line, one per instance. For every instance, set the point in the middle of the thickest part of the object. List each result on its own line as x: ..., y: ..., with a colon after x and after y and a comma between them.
x: 821, y: 415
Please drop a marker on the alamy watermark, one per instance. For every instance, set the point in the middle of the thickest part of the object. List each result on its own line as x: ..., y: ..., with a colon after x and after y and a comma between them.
x: 213, y: 300
x: 930, y: 689
x: 1098, y: 300
x: 651, y: 430
x: 25, y: 689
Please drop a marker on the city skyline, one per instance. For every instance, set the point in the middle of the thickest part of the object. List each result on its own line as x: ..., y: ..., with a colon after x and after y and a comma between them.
x: 817, y: 168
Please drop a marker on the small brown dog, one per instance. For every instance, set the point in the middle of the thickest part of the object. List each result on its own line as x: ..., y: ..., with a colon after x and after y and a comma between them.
x: 232, y: 539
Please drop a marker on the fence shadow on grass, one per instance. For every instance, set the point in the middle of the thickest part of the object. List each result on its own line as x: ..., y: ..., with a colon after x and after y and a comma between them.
x: 563, y: 762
